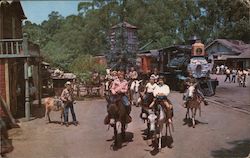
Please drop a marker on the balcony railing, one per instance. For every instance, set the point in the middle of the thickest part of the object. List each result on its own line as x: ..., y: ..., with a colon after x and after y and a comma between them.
x: 11, y: 47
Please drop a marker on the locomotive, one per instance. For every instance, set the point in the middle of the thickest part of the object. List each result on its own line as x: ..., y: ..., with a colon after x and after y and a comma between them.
x: 177, y: 62
x: 200, y: 68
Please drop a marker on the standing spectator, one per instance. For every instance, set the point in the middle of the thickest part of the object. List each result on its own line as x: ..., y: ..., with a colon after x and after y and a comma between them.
x: 217, y: 70
x: 227, y: 75
x: 95, y: 78
x: 245, y: 74
x: 234, y: 72
x: 68, y: 100
x: 222, y: 69
x: 239, y: 75
x: 133, y: 74
x: 155, y: 75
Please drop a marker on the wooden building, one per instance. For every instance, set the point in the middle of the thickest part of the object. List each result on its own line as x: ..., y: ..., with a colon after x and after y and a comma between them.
x: 233, y: 53
x: 123, y: 36
x: 19, y: 61
x: 123, y: 43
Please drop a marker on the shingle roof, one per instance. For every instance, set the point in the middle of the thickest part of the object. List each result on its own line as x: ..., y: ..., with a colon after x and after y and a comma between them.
x: 237, y: 46
x: 127, y: 25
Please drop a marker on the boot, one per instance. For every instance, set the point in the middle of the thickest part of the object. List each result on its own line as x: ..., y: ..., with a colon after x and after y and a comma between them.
x: 66, y: 124
x: 75, y: 123
x: 106, y: 120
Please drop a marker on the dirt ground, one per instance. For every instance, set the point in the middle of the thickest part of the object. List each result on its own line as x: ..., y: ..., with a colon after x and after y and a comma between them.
x: 221, y: 132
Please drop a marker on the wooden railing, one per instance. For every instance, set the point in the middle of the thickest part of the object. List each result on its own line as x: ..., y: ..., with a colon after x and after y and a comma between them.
x: 11, y: 47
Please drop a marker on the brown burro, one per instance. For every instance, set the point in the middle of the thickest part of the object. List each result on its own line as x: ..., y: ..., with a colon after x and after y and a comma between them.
x: 53, y: 104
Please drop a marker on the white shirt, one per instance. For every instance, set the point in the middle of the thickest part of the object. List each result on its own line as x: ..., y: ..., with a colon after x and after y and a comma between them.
x: 239, y: 73
x: 228, y: 71
x: 245, y: 72
x: 150, y: 87
x: 234, y: 72
x: 161, y: 89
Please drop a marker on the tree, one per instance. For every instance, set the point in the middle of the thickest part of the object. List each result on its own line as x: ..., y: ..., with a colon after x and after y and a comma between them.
x: 167, y: 22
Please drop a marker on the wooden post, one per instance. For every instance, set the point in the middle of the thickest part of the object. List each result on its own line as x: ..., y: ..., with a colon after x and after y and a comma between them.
x: 161, y: 61
x: 169, y: 57
x: 39, y: 83
x: 27, y: 95
x: 7, y: 83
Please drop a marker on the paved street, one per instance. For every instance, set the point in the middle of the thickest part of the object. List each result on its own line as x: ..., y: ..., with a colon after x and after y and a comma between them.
x: 221, y: 133
x: 231, y: 95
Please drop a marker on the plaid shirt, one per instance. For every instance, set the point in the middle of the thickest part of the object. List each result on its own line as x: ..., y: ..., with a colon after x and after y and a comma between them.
x: 67, y: 95
x: 119, y: 86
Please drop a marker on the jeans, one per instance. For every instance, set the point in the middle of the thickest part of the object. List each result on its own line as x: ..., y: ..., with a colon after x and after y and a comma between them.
x: 124, y: 99
x: 66, y: 112
x: 227, y: 77
x: 200, y: 93
x: 233, y: 78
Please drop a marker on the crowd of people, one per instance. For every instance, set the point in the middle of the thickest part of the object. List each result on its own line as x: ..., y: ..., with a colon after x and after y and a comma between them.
x: 233, y: 75
x: 118, y: 83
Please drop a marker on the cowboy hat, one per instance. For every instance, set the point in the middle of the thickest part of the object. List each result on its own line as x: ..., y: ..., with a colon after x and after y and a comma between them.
x: 68, y: 83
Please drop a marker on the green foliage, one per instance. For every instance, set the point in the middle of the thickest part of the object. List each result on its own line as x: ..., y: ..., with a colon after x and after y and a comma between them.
x: 84, y: 65
x: 66, y: 40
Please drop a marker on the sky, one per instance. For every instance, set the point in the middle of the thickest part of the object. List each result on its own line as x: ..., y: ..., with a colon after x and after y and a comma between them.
x: 37, y: 11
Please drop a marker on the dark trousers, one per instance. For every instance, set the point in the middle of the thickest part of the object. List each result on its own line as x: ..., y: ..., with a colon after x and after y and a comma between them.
x: 227, y: 77
x: 233, y: 78
x: 66, y: 112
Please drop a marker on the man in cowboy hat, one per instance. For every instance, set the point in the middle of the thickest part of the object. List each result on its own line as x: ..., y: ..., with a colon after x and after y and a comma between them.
x: 68, y: 100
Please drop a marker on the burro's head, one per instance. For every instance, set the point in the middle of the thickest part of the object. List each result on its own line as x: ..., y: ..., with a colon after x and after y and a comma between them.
x: 152, y: 118
x: 191, y: 90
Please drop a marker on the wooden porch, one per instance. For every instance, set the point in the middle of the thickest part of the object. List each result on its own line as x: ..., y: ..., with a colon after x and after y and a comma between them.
x: 18, y: 56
